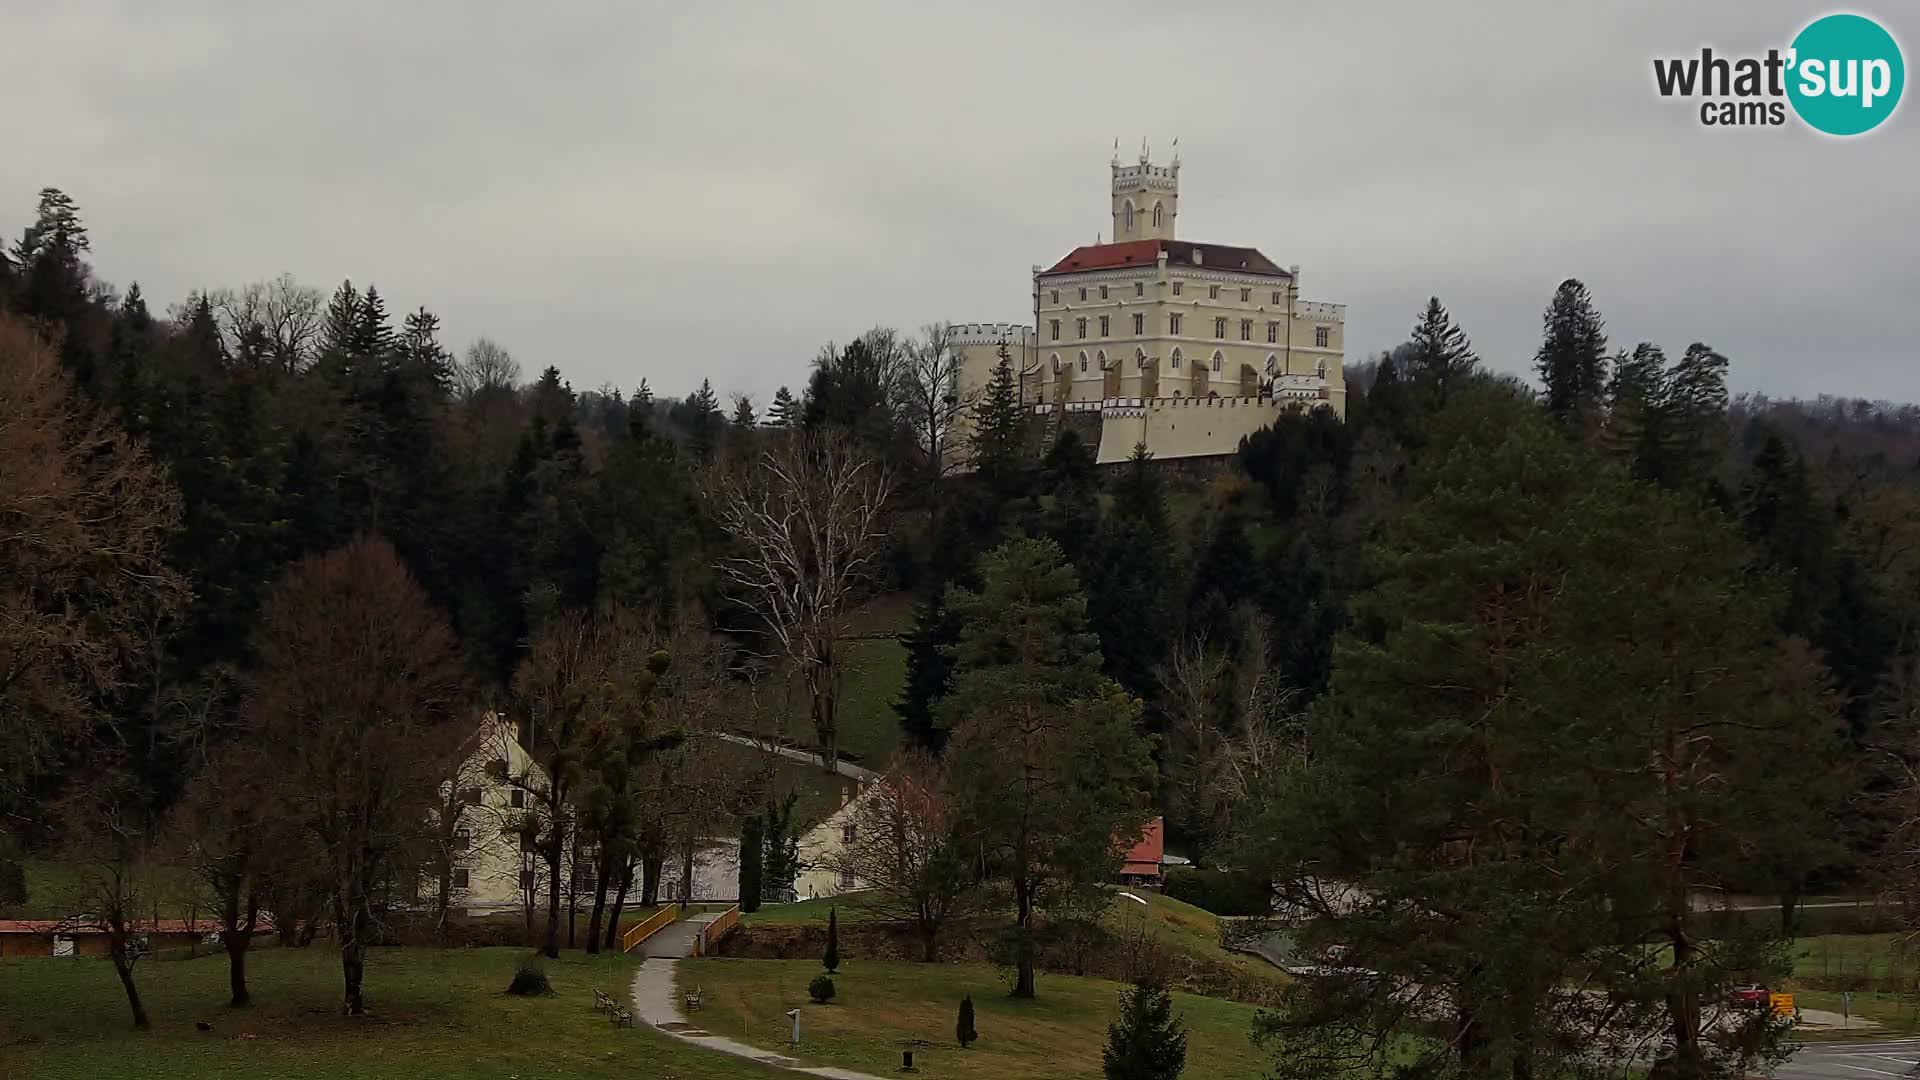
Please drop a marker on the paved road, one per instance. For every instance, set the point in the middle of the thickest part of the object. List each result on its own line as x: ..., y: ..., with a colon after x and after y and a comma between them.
x: 1889, y: 1059
x: 850, y: 771
x: 656, y: 1001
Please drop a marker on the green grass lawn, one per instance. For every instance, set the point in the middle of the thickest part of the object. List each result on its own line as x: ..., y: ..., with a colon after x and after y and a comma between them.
x: 1854, y: 956
x: 52, y: 889
x: 879, y: 1007
x: 434, y: 1013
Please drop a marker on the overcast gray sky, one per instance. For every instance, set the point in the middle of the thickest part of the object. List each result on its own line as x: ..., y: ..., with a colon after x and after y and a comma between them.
x: 714, y: 189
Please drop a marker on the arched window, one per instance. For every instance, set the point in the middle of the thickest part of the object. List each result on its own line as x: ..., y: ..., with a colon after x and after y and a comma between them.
x: 1176, y: 359
x: 1320, y: 370
x: 1056, y: 363
x: 1219, y: 362
x: 1083, y: 361
x: 1273, y: 365
x: 1156, y: 215
x: 1099, y: 360
x: 1140, y: 359
x: 1129, y: 216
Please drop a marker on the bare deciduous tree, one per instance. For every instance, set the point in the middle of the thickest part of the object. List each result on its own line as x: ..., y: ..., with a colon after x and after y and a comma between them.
x: 486, y: 367
x: 85, y: 520
x: 358, y: 689
x: 109, y: 850
x: 933, y: 397
x: 808, y: 519
x: 906, y: 843
x: 276, y: 321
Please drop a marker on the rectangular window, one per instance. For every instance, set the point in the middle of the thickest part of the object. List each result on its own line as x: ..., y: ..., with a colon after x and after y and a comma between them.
x: 1220, y: 327
x: 1139, y: 288
x: 1103, y: 292
x: 1083, y: 292
x: 1246, y: 295
x: 1273, y: 332
x: 1081, y: 325
x: 472, y: 796
x: 1213, y: 292
x: 1054, y: 298
x: 1246, y: 329
x: 462, y: 840
x: 1103, y: 325
x: 460, y: 877
x: 1054, y: 325
x: 1173, y: 324
x: 1276, y: 299
x: 1320, y: 335
x: 1176, y: 288
x: 518, y: 799
x: 1139, y: 324
x: 846, y: 834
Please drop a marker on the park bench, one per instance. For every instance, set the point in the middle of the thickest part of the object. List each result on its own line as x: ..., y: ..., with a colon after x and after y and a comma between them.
x: 602, y: 1000
x: 620, y: 1017
x: 693, y: 999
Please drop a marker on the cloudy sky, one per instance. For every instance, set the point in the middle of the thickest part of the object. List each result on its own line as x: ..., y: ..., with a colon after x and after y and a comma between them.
x: 679, y: 190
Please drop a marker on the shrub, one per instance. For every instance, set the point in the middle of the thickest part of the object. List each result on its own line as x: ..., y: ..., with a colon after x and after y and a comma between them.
x: 963, y: 1030
x: 820, y: 989
x: 1223, y: 892
x: 531, y: 979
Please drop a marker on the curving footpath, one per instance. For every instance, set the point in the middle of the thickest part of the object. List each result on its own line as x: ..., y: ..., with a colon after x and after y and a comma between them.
x: 656, y: 1001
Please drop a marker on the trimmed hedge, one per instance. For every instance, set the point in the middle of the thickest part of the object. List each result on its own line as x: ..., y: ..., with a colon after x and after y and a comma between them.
x: 1223, y: 892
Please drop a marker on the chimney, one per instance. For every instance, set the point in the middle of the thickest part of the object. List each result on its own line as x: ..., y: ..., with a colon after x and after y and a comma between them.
x: 1196, y: 256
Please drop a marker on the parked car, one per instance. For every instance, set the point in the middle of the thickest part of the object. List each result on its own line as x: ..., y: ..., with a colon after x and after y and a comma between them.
x: 1749, y: 997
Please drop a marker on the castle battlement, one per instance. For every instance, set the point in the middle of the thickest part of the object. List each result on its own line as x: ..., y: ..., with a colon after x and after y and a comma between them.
x: 989, y: 333
x: 1317, y: 310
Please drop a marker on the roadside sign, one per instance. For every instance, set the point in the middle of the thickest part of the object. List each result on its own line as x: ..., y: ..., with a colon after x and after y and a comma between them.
x: 1781, y: 1004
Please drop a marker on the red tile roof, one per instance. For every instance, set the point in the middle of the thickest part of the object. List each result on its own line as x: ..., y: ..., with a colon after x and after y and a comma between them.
x: 1179, y: 253
x: 1144, y: 858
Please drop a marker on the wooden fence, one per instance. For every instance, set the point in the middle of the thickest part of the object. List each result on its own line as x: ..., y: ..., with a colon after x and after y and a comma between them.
x: 645, y: 929
x: 711, y: 933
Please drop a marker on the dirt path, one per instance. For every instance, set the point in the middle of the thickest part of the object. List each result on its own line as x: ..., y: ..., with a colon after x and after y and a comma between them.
x: 656, y: 1000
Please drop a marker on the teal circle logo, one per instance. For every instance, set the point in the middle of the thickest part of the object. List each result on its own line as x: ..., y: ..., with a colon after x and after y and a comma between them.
x: 1845, y: 74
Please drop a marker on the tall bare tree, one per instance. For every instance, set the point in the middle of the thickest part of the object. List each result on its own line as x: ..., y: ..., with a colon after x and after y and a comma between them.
x: 276, y: 322
x: 486, y: 367
x: 934, y: 400
x: 808, y: 521
x: 358, y: 688
x: 110, y: 852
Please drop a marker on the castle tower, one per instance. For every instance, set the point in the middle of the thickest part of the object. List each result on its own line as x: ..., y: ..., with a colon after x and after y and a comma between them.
x: 1146, y: 197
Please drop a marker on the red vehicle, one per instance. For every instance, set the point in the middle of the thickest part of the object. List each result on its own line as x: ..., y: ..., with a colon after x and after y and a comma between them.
x: 1748, y: 997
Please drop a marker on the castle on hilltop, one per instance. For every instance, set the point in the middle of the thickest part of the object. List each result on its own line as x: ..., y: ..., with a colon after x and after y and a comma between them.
x: 1185, y: 347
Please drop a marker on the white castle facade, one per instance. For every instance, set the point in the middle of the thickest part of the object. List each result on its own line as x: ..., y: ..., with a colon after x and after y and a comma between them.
x: 1185, y: 347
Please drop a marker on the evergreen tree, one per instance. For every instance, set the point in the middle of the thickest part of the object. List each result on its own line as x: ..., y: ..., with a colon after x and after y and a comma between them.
x: 929, y: 645
x: 1572, y: 360
x: 963, y: 1029
x: 1387, y: 401
x: 372, y: 336
x: 1441, y: 358
x: 999, y: 451
x: 340, y: 324
x: 752, y: 859
x: 743, y: 418
x: 1133, y: 579
x: 1146, y: 1041
x: 703, y: 430
x: 1048, y: 765
x: 785, y: 411
x: 424, y: 361
x: 1635, y: 429
x: 1070, y: 482
x: 830, y: 960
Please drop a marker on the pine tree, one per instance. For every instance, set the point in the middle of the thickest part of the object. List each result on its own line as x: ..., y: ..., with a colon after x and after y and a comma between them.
x: 1131, y: 579
x: 703, y: 428
x: 1387, y: 404
x: 1070, y: 480
x: 831, y: 959
x: 1572, y: 360
x: 1635, y: 427
x: 1441, y: 357
x: 424, y: 361
x: 963, y: 1029
x: 785, y: 409
x: 929, y: 645
x: 743, y: 418
x: 1146, y: 1041
x: 999, y: 453
x: 340, y: 323
x: 372, y: 332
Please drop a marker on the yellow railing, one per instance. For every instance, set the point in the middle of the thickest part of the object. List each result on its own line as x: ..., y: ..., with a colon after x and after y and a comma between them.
x: 646, y: 928
x: 711, y: 933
